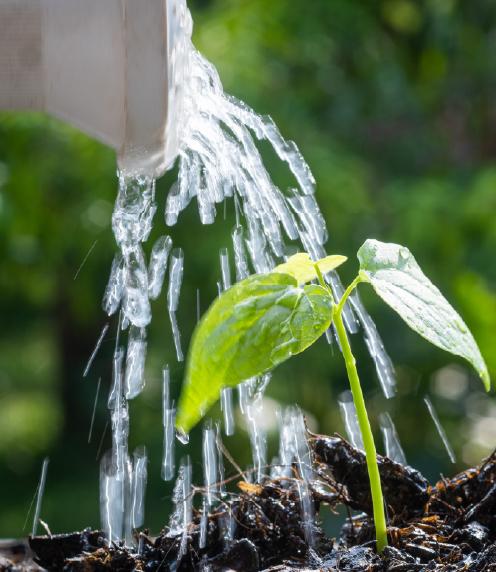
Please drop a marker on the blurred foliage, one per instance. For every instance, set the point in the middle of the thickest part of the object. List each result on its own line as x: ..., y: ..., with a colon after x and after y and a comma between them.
x: 393, y: 104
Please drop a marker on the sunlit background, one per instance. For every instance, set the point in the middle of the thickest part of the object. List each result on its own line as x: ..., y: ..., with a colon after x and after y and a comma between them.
x: 393, y: 104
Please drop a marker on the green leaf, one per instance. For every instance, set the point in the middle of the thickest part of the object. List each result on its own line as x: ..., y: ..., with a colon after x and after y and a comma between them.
x: 397, y: 278
x: 302, y: 267
x: 252, y: 327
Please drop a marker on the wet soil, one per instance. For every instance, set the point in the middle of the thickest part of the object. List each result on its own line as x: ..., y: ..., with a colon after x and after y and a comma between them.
x: 450, y: 526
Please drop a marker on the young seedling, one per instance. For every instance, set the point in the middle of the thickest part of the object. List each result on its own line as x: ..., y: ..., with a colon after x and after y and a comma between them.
x: 265, y: 319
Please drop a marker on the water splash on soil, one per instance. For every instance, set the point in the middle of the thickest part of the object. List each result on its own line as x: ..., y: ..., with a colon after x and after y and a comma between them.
x: 40, y: 493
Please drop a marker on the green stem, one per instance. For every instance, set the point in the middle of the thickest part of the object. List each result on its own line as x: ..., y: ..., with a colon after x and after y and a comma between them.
x: 363, y: 418
x: 322, y: 282
x: 347, y: 293
x: 364, y: 423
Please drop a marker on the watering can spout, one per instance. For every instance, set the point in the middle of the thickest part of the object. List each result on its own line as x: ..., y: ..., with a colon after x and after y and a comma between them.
x: 102, y: 66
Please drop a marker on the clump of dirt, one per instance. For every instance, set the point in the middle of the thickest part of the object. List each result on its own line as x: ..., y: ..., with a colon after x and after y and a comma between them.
x: 448, y: 527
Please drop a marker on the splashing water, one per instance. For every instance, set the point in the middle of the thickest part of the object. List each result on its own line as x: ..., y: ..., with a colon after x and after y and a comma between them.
x: 293, y: 444
x: 166, y: 400
x: 225, y: 268
x: 175, y: 282
x: 227, y: 525
x: 168, y: 463
x: 175, y: 279
x: 131, y: 223
x: 220, y: 460
x: 39, y: 495
x: 182, y: 499
x: 111, y: 499
x: 135, y: 362
x: 307, y: 511
x: 240, y: 260
x: 218, y: 159
x: 383, y: 364
x: 350, y: 419
x: 294, y: 448
x: 176, y: 336
x: 245, y: 390
x: 251, y: 406
x: 120, y: 433
x: 117, y: 373
x: 122, y: 482
x: 258, y: 438
x: 168, y: 422
x: 115, y: 287
x: 140, y: 475
x: 203, y: 525
x: 440, y: 429
x: 95, y: 402
x: 158, y: 266
x: 122, y: 495
x: 182, y: 514
x: 392, y: 444
x: 210, y: 463
x: 226, y: 403
x: 215, y: 138
x: 95, y: 351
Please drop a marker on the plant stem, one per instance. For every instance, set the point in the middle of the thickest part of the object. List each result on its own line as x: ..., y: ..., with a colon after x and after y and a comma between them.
x: 363, y: 418
x: 364, y: 423
x: 322, y: 282
x: 347, y: 293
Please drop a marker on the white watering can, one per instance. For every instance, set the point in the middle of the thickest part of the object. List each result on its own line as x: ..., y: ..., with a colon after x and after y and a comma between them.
x: 108, y: 67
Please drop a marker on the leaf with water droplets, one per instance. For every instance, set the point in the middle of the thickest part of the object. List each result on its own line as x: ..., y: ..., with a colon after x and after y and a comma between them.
x: 397, y: 278
x: 252, y: 327
x: 302, y: 267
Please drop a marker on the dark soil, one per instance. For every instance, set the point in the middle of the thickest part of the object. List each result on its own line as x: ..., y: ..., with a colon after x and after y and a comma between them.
x: 448, y: 527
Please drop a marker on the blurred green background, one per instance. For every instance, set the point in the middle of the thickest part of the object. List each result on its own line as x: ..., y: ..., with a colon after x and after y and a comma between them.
x: 393, y: 104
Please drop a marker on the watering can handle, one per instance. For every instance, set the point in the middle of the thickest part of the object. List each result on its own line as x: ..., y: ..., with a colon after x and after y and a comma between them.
x: 100, y: 65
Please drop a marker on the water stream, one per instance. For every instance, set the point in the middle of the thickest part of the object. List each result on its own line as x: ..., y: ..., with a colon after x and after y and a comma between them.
x: 39, y: 495
x: 392, y: 444
x: 95, y: 351
x: 218, y: 160
x: 350, y: 419
x: 440, y: 429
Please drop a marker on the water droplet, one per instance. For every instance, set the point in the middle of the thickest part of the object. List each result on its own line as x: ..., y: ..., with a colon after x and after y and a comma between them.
x: 182, y: 436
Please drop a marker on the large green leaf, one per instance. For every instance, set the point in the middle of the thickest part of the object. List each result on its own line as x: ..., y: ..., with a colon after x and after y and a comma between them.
x: 252, y: 327
x: 397, y: 278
